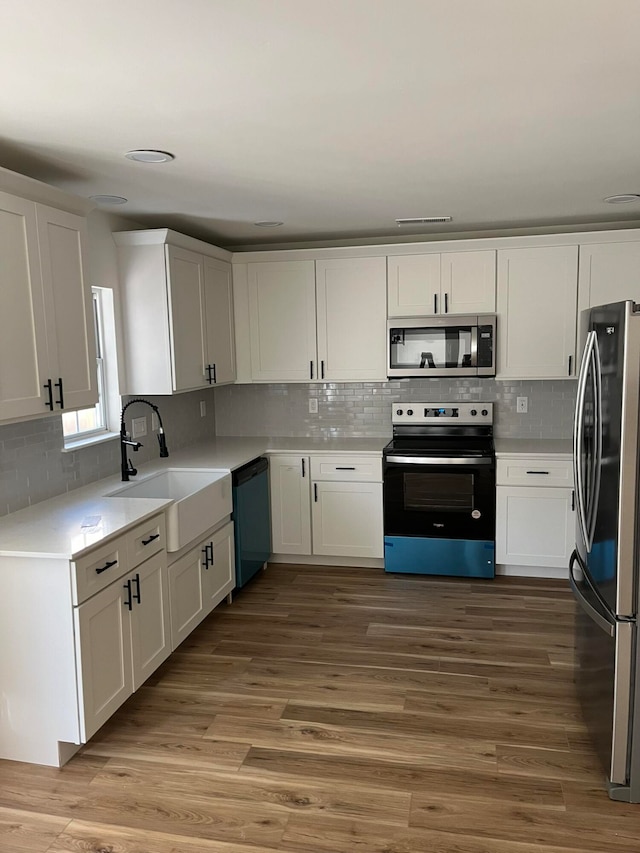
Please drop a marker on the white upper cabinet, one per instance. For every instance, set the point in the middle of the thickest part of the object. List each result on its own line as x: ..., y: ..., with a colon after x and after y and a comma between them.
x: 350, y: 298
x: 177, y: 313
x: 442, y: 283
x: 282, y: 318
x: 609, y: 272
x: 220, y: 350
x: 47, y: 340
x: 537, y: 298
x: 317, y: 321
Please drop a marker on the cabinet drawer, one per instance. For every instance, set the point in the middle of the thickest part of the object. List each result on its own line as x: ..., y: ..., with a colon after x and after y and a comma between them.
x: 535, y: 471
x: 95, y: 571
x: 145, y: 540
x: 360, y: 469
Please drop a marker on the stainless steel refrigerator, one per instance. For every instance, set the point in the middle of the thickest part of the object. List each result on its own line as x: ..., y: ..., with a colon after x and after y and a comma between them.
x: 604, y: 566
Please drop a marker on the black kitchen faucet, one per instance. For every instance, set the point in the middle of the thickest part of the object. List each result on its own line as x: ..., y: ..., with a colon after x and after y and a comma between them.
x: 126, y: 468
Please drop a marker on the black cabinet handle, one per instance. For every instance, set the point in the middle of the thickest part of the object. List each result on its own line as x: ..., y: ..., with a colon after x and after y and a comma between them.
x: 435, y: 303
x: 106, y: 566
x: 311, y: 368
x: 303, y: 466
x: 570, y: 364
x: 446, y: 303
x: 150, y: 539
x: 136, y: 595
x: 537, y: 472
x: 58, y: 385
x: 208, y: 369
x: 211, y: 557
x: 205, y: 562
x: 345, y: 467
x: 315, y: 492
x: 214, y: 374
x: 128, y: 603
x: 573, y: 501
x: 49, y: 390
x: 322, y: 369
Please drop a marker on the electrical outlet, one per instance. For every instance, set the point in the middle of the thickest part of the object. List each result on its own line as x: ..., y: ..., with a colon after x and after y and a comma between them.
x: 313, y: 405
x: 138, y: 427
x: 522, y: 405
x: 203, y: 408
x: 155, y: 423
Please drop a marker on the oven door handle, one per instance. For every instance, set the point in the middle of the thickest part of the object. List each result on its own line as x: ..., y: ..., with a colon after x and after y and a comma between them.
x: 439, y: 460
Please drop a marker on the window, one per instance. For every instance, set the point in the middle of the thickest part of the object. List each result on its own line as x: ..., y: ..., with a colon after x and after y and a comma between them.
x: 89, y: 423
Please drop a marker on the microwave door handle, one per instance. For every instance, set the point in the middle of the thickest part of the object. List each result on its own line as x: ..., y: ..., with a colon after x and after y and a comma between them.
x: 474, y: 346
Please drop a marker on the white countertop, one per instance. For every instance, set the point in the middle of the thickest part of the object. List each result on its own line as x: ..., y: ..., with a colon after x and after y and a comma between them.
x: 509, y: 447
x: 66, y: 526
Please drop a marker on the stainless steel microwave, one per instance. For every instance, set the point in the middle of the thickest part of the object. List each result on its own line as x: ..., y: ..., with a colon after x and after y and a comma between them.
x: 442, y: 346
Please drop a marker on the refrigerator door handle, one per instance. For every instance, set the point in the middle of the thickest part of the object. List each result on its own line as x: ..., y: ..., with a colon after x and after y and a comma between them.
x: 607, y: 625
x: 578, y: 431
x: 597, y: 425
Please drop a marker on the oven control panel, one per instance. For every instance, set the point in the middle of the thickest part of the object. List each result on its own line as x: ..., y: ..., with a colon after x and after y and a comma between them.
x: 446, y: 413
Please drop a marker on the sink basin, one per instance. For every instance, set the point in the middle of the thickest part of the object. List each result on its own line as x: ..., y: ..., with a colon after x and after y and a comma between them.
x: 201, y: 498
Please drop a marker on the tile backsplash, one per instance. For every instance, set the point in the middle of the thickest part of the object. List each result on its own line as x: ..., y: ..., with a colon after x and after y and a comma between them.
x: 34, y: 466
x: 364, y: 408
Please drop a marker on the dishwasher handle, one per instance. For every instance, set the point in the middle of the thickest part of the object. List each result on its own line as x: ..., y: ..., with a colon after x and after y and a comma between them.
x: 249, y: 471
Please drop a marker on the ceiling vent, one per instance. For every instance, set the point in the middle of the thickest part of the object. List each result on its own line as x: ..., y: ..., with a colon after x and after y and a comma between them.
x: 423, y: 220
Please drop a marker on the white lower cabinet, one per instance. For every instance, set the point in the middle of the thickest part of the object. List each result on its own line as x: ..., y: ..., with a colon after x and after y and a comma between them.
x: 199, y: 580
x: 347, y: 519
x: 535, y: 519
x: 150, y: 627
x: 325, y: 505
x: 289, y: 479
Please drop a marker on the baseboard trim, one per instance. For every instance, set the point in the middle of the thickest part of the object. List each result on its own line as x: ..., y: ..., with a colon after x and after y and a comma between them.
x: 532, y: 572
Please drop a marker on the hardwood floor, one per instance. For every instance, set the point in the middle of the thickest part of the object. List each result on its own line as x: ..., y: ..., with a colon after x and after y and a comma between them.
x: 339, y: 710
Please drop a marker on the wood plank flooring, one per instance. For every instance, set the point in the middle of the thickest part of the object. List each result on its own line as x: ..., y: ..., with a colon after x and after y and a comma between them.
x: 341, y: 710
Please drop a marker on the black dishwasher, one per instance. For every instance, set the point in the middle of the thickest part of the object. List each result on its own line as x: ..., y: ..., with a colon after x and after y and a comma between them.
x: 252, y: 518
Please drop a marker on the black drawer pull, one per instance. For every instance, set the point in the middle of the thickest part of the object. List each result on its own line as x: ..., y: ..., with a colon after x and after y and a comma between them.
x: 345, y: 467
x: 136, y: 595
x: 537, y: 472
x: 128, y: 603
x: 106, y: 566
x: 48, y: 386
x: 150, y: 539
x: 58, y: 385
x: 205, y: 551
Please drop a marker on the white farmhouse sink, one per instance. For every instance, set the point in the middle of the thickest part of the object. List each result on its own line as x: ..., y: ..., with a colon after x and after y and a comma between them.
x: 200, y: 498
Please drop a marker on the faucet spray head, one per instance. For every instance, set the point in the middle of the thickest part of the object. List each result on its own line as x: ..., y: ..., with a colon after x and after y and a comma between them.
x: 163, y: 443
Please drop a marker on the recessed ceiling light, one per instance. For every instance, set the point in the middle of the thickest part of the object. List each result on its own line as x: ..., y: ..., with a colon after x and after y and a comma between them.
x: 149, y: 155
x: 267, y: 223
x: 423, y: 220
x: 623, y: 198
x: 108, y: 199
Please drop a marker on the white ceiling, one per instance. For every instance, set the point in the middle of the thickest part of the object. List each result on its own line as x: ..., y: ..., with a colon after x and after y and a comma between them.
x: 334, y: 116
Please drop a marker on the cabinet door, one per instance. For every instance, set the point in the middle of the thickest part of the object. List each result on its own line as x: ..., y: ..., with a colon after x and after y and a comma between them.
x: 534, y: 526
x: 219, y: 576
x: 71, y: 335
x: 103, y: 650
x: 351, y: 309
x: 23, y: 338
x: 185, y: 280
x: 282, y: 321
x: 347, y: 519
x: 468, y: 283
x: 185, y: 595
x: 290, y: 510
x: 413, y: 288
x: 218, y: 321
x: 609, y: 272
x: 150, y: 625
x: 537, y: 294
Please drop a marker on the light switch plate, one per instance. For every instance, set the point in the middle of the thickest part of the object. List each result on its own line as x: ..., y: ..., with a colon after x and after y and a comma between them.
x: 138, y: 427
x: 155, y: 423
x: 313, y: 405
x: 522, y: 405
